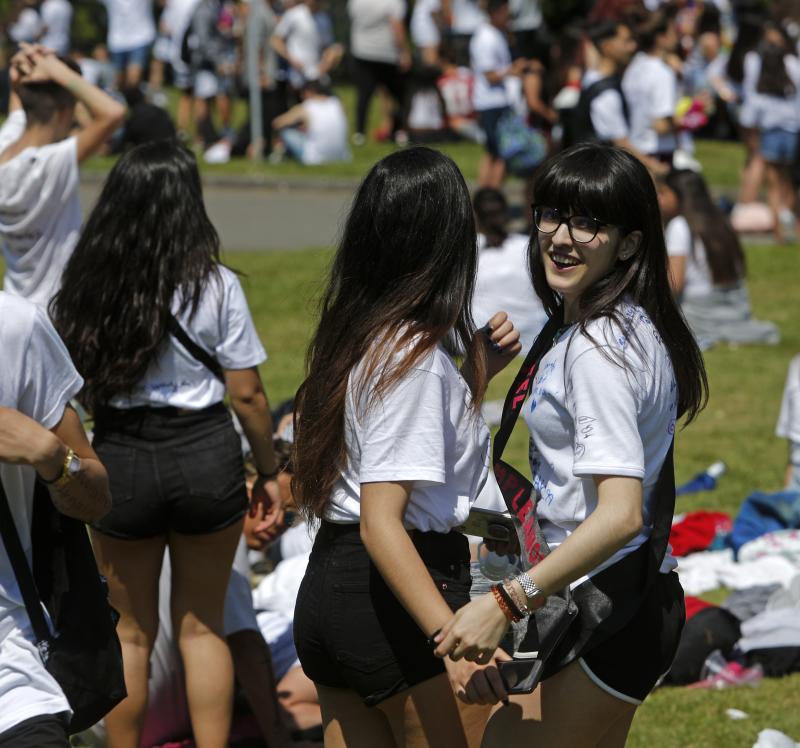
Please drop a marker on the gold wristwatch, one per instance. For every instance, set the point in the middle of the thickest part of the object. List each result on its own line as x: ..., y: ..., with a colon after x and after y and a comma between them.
x: 71, y: 467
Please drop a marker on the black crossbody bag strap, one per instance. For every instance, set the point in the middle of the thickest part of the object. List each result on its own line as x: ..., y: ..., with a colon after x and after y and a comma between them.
x: 516, y: 489
x: 22, y: 571
x: 201, y: 355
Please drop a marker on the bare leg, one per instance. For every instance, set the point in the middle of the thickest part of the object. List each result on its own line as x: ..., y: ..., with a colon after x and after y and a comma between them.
x: 753, y: 172
x: 473, y: 720
x: 201, y: 568
x: 133, y: 76
x: 347, y: 723
x: 184, y: 114
x: 298, y: 700
x: 438, y: 720
x: 132, y: 568
x: 775, y: 193
x: 567, y: 709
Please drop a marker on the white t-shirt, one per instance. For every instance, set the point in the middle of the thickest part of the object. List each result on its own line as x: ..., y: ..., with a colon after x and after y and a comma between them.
x: 371, y: 34
x: 327, y: 131
x: 526, y: 15
x: 467, y: 15
x: 27, y: 27
x: 423, y: 27
x: 176, y: 18
x: 130, y: 24
x: 301, y: 35
x: 606, y: 111
x: 421, y: 430
x: 222, y: 326
x: 697, y: 277
x: 590, y: 416
x: 57, y: 18
x: 764, y: 111
x: 650, y: 88
x: 40, y: 213
x: 503, y: 283
x: 488, y: 53
x: 38, y: 379
x: 789, y: 419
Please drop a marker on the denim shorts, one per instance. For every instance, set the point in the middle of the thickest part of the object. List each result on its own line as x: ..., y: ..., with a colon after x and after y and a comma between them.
x: 352, y: 632
x: 778, y: 146
x: 138, y: 56
x: 170, y: 470
x: 489, y: 119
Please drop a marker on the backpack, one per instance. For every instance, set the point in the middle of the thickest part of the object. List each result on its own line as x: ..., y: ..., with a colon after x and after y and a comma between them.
x: 578, y: 126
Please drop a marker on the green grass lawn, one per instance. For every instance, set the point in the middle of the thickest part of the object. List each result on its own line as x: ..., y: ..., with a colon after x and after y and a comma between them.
x: 737, y: 426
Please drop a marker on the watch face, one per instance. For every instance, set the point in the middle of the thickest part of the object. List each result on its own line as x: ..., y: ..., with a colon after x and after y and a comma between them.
x: 74, y: 465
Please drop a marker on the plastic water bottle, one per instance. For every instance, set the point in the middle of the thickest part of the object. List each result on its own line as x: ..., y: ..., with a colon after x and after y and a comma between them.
x: 494, y: 566
x: 705, y: 481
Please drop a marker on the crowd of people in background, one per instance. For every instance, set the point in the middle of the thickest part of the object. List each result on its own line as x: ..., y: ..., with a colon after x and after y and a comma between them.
x: 136, y: 324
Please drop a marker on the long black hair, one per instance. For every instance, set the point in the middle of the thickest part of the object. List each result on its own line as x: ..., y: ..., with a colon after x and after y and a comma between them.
x: 774, y: 80
x: 611, y: 185
x: 148, y: 237
x: 709, y: 224
x: 401, y: 282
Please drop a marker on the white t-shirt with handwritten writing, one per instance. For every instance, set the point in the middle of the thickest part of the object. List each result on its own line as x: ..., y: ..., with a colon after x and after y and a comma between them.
x: 422, y: 430
x: 602, y: 407
x: 223, y: 327
x: 40, y: 213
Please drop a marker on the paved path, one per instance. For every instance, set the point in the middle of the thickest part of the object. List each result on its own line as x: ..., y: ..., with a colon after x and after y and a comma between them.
x: 256, y: 218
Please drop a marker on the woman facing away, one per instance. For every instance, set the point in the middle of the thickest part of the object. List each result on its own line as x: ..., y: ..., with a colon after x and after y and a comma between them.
x: 502, y: 280
x: 390, y: 453
x: 605, y: 399
x: 707, y: 265
x: 146, y: 265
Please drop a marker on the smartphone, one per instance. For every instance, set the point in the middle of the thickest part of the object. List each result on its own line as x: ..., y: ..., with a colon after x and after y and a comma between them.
x: 485, y: 523
x: 520, y: 676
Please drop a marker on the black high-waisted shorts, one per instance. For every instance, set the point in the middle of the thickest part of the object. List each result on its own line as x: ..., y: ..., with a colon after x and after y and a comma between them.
x: 170, y: 470
x: 351, y: 632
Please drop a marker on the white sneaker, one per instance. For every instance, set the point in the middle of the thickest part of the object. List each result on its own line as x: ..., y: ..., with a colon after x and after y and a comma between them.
x: 219, y: 153
x: 358, y: 139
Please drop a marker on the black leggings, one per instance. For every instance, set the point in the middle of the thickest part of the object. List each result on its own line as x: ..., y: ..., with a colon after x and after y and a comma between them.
x: 367, y: 75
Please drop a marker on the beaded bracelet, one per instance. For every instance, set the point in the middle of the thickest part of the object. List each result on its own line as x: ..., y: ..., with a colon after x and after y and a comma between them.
x: 508, y: 608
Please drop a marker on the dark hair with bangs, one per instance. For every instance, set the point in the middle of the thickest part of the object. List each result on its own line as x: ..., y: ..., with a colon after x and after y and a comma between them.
x: 148, y: 237
x: 611, y: 185
x: 403, y: 273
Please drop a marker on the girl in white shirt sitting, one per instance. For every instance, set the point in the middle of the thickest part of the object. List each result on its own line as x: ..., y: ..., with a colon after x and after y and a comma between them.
x: 602, y: 413
x: 707, y: 265
x: 390, y: 453
x: 160, y: 330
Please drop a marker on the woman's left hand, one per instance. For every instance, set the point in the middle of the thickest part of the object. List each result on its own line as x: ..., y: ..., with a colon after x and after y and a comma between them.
x: 266, y: 498
x: 501, y: 341
x: 474, y: 632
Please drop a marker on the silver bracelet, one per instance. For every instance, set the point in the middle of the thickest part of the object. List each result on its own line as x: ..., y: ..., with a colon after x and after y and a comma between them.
x: 530, y: 588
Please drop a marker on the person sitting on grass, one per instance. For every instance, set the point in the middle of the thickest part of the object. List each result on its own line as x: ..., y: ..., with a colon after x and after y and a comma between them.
x: 40, y: 215
x: 315, y: 130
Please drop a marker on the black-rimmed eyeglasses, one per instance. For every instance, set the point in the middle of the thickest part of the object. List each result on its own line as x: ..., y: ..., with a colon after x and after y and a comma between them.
x: 582, y: 229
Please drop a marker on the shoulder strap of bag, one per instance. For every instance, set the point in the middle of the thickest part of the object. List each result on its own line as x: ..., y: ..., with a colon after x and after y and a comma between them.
x: 516, y: 489
x: 22, y: 571
x: 201, y: 355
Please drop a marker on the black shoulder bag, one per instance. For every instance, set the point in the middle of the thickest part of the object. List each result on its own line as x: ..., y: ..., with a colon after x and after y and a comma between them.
x: 83, y: 653
x: 573, y: 622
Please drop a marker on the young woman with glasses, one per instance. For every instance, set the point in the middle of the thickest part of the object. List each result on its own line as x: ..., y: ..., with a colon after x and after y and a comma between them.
x: 602, y: 415
x: 390, y: 453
